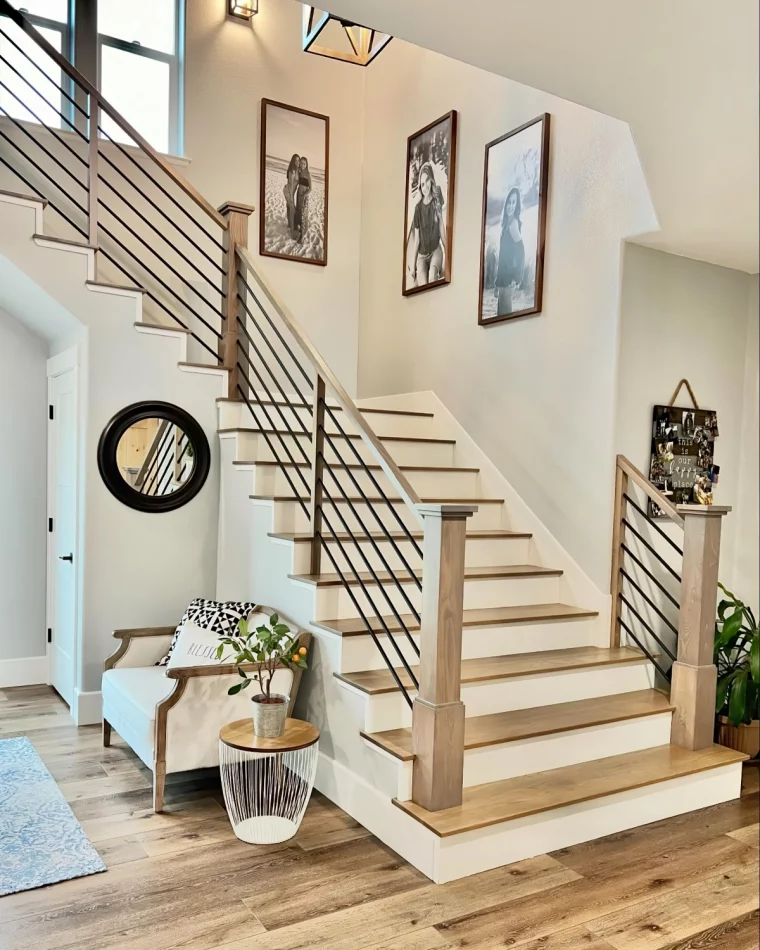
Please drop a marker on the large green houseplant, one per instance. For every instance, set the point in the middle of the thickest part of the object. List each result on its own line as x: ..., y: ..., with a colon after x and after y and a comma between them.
x: 737, y: 657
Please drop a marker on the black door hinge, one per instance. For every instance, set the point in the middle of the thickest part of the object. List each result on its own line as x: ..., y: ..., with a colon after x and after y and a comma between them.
x: 50, y: 524
x: 51, y: 412
x: 50, y: 634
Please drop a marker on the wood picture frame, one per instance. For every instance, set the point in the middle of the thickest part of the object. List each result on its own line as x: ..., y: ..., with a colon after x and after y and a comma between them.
x: 293, y: 216
x: 512, y: 248
x: 431, y: 150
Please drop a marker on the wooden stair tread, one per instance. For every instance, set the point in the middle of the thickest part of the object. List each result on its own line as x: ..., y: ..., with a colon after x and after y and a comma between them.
x: 293, y: 404
x: 356, y: 466
x: 205, y: 366
x: 481, y: 731
x: 486, y: 534
x: 134, y: 289
x: 375, y: 682
x: 476, y: 617
x: 393, y: 501
x: 496, y: 802
x: 470, y: 573
x: 350, y: 435
x: 159, y: 326
x: 66, y: 241
x: 17, y: 194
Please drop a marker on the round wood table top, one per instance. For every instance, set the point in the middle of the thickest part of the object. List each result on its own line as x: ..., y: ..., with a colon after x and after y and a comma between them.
x: 298, y: 735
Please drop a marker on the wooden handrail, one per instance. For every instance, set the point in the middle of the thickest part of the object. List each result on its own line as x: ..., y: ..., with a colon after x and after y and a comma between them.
x: 655, y: 495
x: 389, y: 467
x: 21, y: 21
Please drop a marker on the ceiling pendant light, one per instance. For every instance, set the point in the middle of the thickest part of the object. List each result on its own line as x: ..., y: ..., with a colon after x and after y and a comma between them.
x: 340, y: 39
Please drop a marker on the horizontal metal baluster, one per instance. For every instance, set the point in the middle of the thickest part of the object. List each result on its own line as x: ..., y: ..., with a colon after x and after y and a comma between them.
x: 650, y: 575
x: 376, y: 612
x: 388, y: 598
x: 174, y: 463
x: 651, y: 603
x: 49, y: 104
x: 654, y: 524
x: 36, y: 190
x: 45, y: 75
x: 169, y: 433
x: 174, y: 201
x: 368, y: 625
x: 52, y: 181
x: 643, y: 649
x: 42, y: 148
x: 269, y: 419
x: 271, y: 449
x: 644, y: 624
x: 155, y: 276
x: 652, y: 550
x: 168, y: 266
x: 371, y: 540
x: 163, y: 214
x: 277, y: 405
x: 271, y: 347
x: 277, y: 332
x: 163, y: 237
x: 374, y: 481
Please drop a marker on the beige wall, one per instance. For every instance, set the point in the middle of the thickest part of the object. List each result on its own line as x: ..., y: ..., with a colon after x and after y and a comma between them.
x: 536, y: 394
x: 229, y: 69
x: 687, y: 319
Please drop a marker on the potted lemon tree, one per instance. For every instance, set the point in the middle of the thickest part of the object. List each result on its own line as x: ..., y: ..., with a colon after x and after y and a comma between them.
x: 268, y: 647
x: 737, y: 657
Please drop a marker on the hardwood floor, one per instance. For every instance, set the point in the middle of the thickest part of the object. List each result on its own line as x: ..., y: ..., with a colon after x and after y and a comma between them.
x: 181, y: 879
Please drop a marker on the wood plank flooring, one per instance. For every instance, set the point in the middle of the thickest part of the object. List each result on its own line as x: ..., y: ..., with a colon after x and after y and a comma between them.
x: 181, y: 879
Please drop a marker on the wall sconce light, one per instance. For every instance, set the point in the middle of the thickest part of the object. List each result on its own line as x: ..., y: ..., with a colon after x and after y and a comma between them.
x: 242, y: 9
x: 344, y: 41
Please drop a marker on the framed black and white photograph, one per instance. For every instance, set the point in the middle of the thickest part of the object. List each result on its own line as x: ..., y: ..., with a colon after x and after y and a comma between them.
x: 515, y: 187
x: 295, y: 171
x: 429, y: 212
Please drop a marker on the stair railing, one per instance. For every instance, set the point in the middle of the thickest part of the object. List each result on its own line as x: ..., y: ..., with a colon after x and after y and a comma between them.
x: 666, y: 598
x: 65, y: 142
x: 321, y: 442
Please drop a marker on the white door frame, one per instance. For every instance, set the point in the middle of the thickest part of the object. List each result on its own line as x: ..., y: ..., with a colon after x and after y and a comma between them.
x: 65, y: 362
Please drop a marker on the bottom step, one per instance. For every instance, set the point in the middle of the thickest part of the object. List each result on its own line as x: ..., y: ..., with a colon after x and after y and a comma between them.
x: 498, y: 802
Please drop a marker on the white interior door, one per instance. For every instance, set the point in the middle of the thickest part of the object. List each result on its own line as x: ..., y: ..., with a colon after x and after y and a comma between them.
x: 62, y: 509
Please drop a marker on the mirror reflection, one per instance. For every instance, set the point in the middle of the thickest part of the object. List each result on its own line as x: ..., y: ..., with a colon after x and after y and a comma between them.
x: 155, y: 457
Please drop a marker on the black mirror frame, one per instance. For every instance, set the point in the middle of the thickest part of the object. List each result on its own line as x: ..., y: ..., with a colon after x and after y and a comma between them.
x: 112, y: 477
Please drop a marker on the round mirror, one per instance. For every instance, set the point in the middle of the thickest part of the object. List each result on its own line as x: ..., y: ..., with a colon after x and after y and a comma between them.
x: 153, y: 456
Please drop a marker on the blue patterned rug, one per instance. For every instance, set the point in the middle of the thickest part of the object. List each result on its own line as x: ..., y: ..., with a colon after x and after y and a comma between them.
x: 41, y: 842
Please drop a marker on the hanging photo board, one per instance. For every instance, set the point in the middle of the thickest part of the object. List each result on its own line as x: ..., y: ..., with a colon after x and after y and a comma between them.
x: 683, y: 444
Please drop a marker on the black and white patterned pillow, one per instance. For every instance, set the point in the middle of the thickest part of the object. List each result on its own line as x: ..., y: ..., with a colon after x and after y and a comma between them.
x: 223, y: 618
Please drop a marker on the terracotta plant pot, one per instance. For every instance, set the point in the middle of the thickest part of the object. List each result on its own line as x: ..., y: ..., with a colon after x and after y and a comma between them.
x: 269, y: 716
x: 742, y: 738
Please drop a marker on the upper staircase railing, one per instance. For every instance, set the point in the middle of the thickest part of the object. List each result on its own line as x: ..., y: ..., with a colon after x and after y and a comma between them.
x: 66, y: 143
x: 664, y: 596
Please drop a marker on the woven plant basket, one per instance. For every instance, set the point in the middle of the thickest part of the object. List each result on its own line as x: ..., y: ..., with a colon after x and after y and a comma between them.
x: 742, y: 738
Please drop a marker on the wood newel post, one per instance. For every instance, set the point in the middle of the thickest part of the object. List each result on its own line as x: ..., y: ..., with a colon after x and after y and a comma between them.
x: 317, y: 473
x: 235, y: 236
x: 618, y: 537
x: 438, y: 714
x: 694, y: 680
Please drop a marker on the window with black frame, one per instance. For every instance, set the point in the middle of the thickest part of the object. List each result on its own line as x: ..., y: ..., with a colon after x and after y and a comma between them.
x: 139, y: 51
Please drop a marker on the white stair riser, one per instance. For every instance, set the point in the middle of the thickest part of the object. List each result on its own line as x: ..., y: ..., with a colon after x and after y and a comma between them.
x: 271, y: 480
x: 501, y: 551
x: 289, y: 516
x: 284, y: 417
x: 490, y: 592
x: 361, y: 653
x: 390, y: 711
x: 494, y: 763
x: 253, y: 446
x: 461, y: 855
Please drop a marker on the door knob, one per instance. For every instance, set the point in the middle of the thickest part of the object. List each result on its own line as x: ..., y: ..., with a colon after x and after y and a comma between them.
x: 66, y: 557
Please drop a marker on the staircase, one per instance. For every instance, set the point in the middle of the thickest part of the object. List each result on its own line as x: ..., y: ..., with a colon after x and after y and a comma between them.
x: 474, y: 705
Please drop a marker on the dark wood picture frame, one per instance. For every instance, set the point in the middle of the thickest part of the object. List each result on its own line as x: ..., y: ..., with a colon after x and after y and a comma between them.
x: 543, y: 194
x: 452, y: 118
x: 265, y: 105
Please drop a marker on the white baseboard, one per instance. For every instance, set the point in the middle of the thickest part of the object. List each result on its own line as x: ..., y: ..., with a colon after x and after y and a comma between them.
x: 87, y: 709
x: 28, y: 671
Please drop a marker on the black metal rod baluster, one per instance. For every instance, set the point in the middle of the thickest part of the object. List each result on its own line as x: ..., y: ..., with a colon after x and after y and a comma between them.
x: 654, y: 524
x: 36, y: 191
x: 651, y: 603
x: 652, y: 550
x: 650, y: 575
x: 643, y: 622
x: 643, y: 649
x: 42, y: 172
x: 42, y: 148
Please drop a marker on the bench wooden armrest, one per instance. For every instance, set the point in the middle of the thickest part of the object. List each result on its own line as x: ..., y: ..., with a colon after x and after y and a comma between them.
x: 214, y: 669
x: 143, y: 632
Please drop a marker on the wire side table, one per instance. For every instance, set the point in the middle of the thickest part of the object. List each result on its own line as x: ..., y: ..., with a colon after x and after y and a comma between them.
x: 267, y: 783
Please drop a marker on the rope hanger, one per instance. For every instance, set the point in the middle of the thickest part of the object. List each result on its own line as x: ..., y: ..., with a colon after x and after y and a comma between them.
x: 684, y: 382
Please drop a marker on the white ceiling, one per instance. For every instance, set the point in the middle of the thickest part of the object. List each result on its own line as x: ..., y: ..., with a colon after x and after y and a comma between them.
x: 682, y: 73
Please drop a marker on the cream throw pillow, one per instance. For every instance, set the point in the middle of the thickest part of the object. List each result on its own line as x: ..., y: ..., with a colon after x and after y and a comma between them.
x: 195, y: 646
